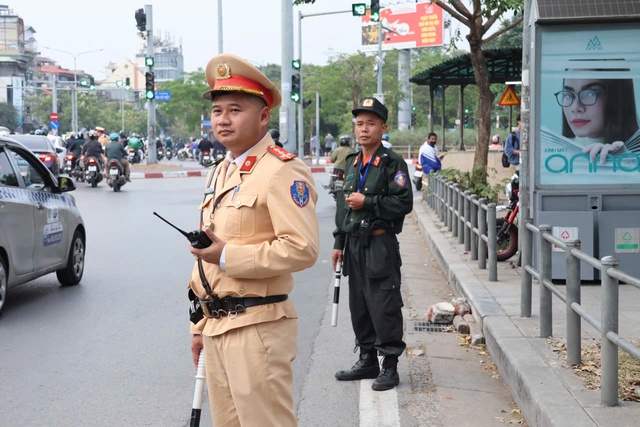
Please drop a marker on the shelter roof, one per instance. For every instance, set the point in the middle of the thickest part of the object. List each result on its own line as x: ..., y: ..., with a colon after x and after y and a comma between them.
x: 503, y: 64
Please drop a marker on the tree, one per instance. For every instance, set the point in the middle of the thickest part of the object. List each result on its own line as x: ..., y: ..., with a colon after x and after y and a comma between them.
x: 8, y: 116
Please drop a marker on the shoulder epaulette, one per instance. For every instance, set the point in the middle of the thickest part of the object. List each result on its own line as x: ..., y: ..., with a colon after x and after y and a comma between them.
x: 281, y: 153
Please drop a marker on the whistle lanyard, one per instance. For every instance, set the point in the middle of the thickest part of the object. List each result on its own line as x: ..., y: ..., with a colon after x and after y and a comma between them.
x: 363, y: 174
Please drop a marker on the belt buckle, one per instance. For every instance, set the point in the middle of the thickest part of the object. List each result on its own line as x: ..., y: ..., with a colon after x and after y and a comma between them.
x: 204, y: 303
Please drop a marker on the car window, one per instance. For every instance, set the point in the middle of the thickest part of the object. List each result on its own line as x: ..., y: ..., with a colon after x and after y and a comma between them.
x: 7, y: 173
x: 33, y: 180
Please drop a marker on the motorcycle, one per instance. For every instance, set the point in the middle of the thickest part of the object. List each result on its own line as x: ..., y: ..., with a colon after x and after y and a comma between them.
x: 169, y: 153
x: 336, y: 182
x: 417, y: 177
x: 133, y: 156
x: 185, y: 153
x: 160, y: 153
x: 92, y: 172
x: 206, y: 159
x: 507, y: 227
x: 115, y: 177
x: 69, y: 164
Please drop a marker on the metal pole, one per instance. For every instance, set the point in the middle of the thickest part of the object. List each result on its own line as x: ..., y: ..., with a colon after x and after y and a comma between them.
x: 287, y: 123
x: 301, y: 152
x: 151, y: 104
x: 544, y: 255
x: 379, y: 61
x: 456, y: 210
x: 122, y: 105
x: 74, y: 96
x: 461, y: 214
x: 609, y: 319
x: 219, y: 26
x: 493, y: 242
x: 525, y: 202
x: 317, y: 127
x: 473, y: 218
x: 525, y: 279
x: 574, y: 330
x: 467, y: 222
x: 54, y: 107
x: 482, y: 231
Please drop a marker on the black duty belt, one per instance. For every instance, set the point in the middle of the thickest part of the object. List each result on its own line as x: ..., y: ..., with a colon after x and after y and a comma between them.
x: 232, y: 306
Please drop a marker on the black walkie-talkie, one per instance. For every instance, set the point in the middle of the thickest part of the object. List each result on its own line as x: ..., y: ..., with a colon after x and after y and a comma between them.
x: 197, y: 238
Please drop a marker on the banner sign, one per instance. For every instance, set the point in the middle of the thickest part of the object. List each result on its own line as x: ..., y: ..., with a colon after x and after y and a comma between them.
x: 405, y: 26
x: 588, y: 108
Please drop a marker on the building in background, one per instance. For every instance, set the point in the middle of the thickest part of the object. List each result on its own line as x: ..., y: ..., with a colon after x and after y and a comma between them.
x: 169, y: 62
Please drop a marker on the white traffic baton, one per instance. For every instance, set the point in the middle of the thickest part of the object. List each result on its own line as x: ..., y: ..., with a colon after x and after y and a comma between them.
x: 336, y: 296
x: 198, y: 394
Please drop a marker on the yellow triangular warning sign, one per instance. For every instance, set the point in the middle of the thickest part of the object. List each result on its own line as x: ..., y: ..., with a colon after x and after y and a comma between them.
x: 509, y: 98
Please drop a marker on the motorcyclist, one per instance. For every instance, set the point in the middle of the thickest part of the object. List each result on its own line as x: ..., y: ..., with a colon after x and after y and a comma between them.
x: 115, y: 151
x: 275, y: 135
x: 218, y: 149
x: 339, y: 155
x: 136, y: 144
x: 123, y: 138
x: 193, y: 146
x: 75, y: 147
x: 180, y: 144
x: 93, y: 148
x: 168, y: 142
x: 385, y: 141
x: 205, y: 145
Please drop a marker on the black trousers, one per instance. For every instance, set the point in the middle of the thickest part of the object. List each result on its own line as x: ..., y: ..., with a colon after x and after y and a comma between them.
x: 375, y: 300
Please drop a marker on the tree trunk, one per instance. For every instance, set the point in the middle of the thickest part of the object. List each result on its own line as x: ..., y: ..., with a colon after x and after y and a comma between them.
x: 485, y: 103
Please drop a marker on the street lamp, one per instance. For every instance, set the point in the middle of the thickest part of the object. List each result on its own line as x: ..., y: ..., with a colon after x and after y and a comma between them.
x: 74, y: 97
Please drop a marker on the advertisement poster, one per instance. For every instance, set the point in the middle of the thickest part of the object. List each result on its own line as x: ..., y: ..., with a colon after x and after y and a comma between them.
x: 589, y: 104
x: 405, y: 26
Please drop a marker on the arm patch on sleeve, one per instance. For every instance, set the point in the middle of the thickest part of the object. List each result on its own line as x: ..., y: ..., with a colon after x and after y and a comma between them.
x: 400, y: 178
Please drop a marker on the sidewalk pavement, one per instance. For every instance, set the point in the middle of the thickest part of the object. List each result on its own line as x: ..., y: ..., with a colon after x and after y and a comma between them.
x: 547, y: 392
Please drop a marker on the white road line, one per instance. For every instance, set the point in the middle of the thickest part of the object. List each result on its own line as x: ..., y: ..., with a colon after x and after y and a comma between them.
x: 378, y: 408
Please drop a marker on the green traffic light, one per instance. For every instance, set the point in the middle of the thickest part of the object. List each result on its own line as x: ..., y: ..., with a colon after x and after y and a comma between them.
x: 466, y: 110
x: 295, y: 64
x: 413, y: 108
x: 295, y: 97
x: 358, y: 9
x: 118, y: 83
x: 149, y: 61
x: 150, y: 94
x: 83, y: 83
x: 375, y: 17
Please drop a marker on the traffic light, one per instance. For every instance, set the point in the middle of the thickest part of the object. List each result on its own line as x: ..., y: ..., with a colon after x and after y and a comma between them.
x: 92, y: 83
x: 413, y: 119
x: 149, y: 85
x: 359, y: 9
x: 375, y: 10
x: 118, y: 83
x: 83, y: 83
x: 295, y: 87
x: 127, y: 83
x: 149, y: 61
x: 141, y: 20
x: 306, y: 103
x: 295, y: 64
x: 466, y: 120
x: 413, y: 108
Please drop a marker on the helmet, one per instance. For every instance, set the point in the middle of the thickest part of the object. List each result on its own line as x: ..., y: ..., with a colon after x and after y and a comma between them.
x: 345, y: 140
x: 157, y: 139
x: 385, y: 136
x: 123, y: 135
x: 204, y: 136
x: 495, y: 139
x: 133, y: 134
x: 93, y: 134
x: 80, y: 135
x: 114, y: 136
x: 39, y: 132
x: 168, y: 138
x: 275, y: 133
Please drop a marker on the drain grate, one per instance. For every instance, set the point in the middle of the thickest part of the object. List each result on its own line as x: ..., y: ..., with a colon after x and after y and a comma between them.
x: 424, y: 326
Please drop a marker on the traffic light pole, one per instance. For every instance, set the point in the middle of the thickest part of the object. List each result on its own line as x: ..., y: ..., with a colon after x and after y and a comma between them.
x: 151, y: 103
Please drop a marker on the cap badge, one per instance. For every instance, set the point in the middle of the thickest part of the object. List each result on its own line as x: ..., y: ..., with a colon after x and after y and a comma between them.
x: 367, y: 102
x: 223, y: 72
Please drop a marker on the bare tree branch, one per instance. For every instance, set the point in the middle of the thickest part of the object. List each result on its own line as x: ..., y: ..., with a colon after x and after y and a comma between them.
x: 463, y: 17
x: 502, y: 30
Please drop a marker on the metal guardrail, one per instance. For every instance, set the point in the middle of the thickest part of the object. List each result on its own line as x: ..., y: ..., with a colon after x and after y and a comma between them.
x: 463, y: 214
x: 468, y: 218
x: 607, y: 326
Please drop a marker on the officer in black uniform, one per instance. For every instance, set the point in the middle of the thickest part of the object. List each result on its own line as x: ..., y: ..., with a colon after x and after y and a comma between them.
x: 377, y: 196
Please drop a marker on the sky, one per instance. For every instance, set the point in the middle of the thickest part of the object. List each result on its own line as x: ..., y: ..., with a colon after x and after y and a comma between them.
x: 251, y: 29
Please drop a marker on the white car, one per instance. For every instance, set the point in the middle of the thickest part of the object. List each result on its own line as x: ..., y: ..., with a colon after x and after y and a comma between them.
x: 41, y: 229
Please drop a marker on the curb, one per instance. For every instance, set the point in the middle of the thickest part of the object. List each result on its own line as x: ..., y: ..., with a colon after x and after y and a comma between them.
x: 540, y: 394
x: 169, y: 174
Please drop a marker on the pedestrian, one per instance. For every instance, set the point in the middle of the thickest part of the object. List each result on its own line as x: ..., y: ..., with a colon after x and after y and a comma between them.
x: 378, y: 195
x: 329, y: 144
x: 430, y: 159
x: 495, y: 143
x: 259, y: 210
x: 512, y: 148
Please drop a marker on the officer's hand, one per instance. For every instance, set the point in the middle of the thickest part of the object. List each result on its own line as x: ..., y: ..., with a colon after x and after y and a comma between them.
x: 355, y: 201
x: 336, y: 258
x: 196, y: 347
x: 213, y: 253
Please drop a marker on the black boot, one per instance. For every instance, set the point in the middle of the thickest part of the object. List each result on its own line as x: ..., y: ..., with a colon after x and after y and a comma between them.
x: 366, y: 367
x: 388, y: 377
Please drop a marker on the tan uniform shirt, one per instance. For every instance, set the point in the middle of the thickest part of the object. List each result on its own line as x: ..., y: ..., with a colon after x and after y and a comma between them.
x: 104, y: 140
x: 266, y: 213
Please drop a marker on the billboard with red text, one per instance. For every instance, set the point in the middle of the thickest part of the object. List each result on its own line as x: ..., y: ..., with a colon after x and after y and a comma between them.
x: 405, y: 26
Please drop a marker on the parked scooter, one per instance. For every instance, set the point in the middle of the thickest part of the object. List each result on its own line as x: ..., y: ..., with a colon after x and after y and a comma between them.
x: 417, y: 177
x: 507, y: 227
x: 92, y: 172
x: 115, y: 177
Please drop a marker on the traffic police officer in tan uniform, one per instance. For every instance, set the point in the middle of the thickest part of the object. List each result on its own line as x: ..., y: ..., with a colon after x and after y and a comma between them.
x: 259, y: 211
x: 377, y: 196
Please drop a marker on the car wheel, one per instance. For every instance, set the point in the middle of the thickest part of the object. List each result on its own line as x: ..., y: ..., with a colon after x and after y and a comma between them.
x: 3, y: 284
x: 72, y: 273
